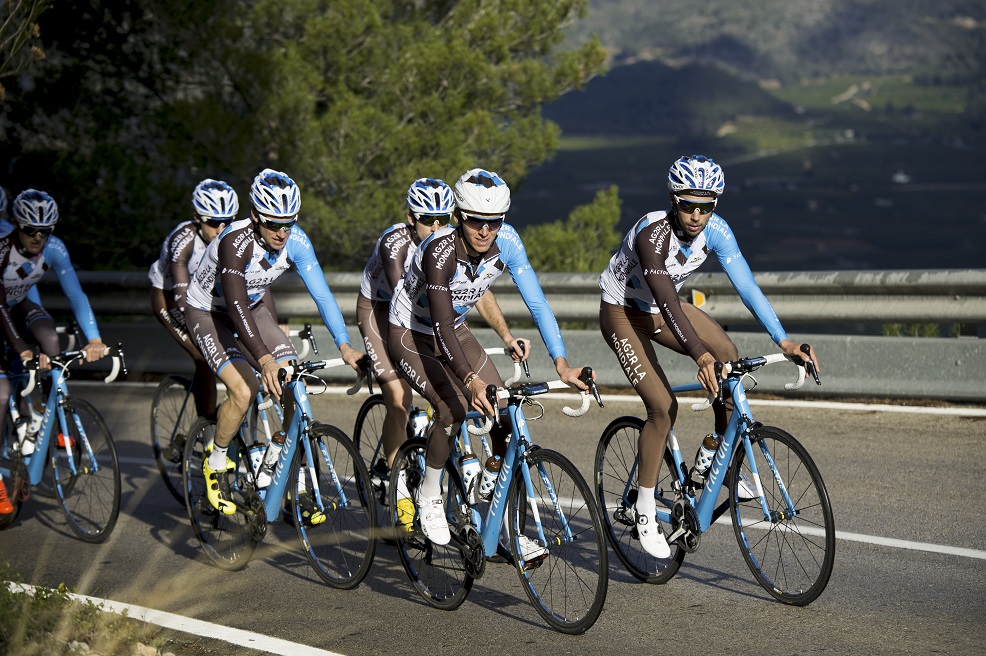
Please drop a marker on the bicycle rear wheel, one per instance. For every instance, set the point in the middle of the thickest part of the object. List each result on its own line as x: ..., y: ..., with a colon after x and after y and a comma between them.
x: 172, y: 415
x: 438, y: 573
x: 226, y: 539
x: 616, y: 487
x: 86, y: 472
x: 567, y: 585
x: 791, y: 554
x: 341, y: 548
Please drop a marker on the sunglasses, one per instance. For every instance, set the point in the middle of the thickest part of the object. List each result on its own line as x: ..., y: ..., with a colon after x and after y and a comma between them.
x: 477, y: 222
x: 214, y: 223
x: 30, y: 231
x: 277, y: 226
x: 689, y: 206
x: 433, y: 219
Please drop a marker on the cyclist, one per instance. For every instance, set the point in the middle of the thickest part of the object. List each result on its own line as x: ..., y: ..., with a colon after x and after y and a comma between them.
x: 235, y: 330
x: 640, y: 304
x: 214, y: 206
x: 25, y: 254
x: 431, y: 341
x: 429, y: 208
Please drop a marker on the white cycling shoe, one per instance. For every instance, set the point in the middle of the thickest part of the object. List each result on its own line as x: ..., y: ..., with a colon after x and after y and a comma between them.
x: 530, y: 550
x: 745, y: 489
x: 651, y: 536
x: 431, y: 512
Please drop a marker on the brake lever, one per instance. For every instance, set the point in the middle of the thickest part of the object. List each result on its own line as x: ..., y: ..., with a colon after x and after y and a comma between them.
x: 719, y: 390
x: 307, y: 334
x: 586, y: 377
x: 491, y: 397
x: 367, y: 367
x: 810, y: 365
x: 523, y: 348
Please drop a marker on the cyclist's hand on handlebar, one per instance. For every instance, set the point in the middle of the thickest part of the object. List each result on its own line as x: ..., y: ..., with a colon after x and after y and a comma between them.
x: 268, y: 375
x: 707, y: 373
x: 353, y: 358
x: 478, y: 400
x: 800, y: 351
x: 94, y: 350
x: 520, y: 349
x: 28, y: 356
x: 571, y: 375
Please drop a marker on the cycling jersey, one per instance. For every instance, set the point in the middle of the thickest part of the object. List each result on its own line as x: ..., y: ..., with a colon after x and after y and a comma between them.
x: 5, y: 227
x: 390, y: 257
x: 443, y: 283
x: 653, y: 264
x: 248, y: 270
x: 22, y: 273
x: 181, y: 255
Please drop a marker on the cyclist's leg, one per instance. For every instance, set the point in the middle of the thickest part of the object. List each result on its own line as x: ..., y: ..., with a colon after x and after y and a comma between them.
x: 485, y: 367
x: 39, y: 324
x: 373, y: 325
x: 204, y: 381
x: 279, y: 345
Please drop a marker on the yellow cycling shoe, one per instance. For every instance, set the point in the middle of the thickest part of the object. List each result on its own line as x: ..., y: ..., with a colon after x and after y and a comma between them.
x: 217, y: 486
x: 310, y: 514
x: 405, y: 515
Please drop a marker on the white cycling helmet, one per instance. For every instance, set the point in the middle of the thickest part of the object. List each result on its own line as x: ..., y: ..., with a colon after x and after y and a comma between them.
x: 35, y: 209
x: 482, y: 192
x: 430, y: 196
x: 275, y: 194
x: 696, y: 173
x: 214, y: 199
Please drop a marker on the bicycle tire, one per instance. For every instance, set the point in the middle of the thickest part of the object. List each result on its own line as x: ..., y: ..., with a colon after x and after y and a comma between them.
x: 88, y: 487
x: 226, y: 539
x: 368, y: 438
x: 437, y: 573
x: 340, y: 549
x: 172, y: 415
x: 616, y: 458
x: 790, y: 556
x: 567, y: 586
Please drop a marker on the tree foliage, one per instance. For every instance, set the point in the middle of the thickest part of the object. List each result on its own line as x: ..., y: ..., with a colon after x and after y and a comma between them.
x: 352, y: 98
x: 581, y: 244
x: 20, y: 43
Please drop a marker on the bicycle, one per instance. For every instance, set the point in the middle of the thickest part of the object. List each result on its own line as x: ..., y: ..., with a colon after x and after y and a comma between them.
x: 324, y: 484
x: 785, y: 529
x: 74, y: 442
x: 540, y: 497
x: 368, y: 432
x: 173, y: 413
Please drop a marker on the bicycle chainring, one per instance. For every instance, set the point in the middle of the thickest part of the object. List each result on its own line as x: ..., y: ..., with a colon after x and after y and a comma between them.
x: 682, y: 514
x: 473, y: 555
x: 256, y: 516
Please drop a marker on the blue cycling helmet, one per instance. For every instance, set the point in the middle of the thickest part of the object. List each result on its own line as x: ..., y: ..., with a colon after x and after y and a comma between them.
x: 35, y: 209
x: 696, y: 173
x: 275, y: 194
x: 430, y: 196
x: 214, y: 199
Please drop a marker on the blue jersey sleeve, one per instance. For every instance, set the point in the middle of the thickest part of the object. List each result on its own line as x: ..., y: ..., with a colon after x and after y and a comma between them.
x: 56, y: 255
x: 722, y: 242
x: 514, y: 256
x: 302, y: 254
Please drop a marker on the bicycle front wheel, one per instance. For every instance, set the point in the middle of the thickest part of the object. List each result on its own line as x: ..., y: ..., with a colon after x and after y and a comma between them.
x: 791, y: 551
x: 566, y: 573
x: 86, y: 472
x: 336, y: 485
x: 438, y: 573
x: 368, y: 438
x: 616, y: 487
x: 226, y: 539
x: 172, y: 415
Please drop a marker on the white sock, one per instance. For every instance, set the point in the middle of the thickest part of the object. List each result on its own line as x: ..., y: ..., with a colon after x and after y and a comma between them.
x: 217, y: 459
x: 645, y: 501
x: 431, y: 486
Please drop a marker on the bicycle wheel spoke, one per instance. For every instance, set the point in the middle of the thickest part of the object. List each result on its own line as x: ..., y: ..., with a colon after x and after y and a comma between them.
x: 172, y: 415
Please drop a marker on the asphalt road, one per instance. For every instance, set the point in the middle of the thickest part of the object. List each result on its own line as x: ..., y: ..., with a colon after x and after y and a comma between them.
x: 905, y: 488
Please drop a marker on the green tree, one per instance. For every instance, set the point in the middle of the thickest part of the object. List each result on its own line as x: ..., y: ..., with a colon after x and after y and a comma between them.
x: 583, y: 243
x: 20, y: 45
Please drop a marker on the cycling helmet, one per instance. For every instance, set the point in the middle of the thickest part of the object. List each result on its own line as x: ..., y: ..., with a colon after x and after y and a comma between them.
x: 214, y: 199
x: 696, y: 173
x: 430, y: 196
x: 483, y: 192
x: 275, y: 194
x: 35, y: 209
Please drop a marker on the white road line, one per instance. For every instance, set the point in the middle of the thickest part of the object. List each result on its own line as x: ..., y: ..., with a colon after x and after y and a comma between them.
x: 239, y: 637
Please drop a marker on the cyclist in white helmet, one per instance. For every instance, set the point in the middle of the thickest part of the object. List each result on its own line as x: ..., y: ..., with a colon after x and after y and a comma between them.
x: 429, y: 208
x: 26, y: 254
x: 235, y: 330
x: 640, y: 304
x: 440, y: 357
x: 214, y: 206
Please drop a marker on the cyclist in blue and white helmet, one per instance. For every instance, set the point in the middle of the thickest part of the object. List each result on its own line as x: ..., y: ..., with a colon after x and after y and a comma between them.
x: 640, y: 305
x: 214, y: 199
x: 274, y: 194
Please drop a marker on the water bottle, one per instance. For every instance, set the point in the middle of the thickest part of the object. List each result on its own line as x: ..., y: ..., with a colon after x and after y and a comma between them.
x: 266, y: 474
x: 256, y: 452
x: 37, y: 415
x: 419, y: 422
x: 706, y: 454
x: 491, y: 473
x: 470, y: 469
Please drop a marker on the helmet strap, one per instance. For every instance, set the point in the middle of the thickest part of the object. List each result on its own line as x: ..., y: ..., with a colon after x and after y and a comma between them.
x: 676, y: 226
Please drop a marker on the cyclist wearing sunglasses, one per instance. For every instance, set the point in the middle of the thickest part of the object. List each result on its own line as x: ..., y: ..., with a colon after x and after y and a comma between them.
x: 214, y: 206
x: 430, y: 339
x: 26, y: 254
x: 640, y: 304
x: 430, y: 206
x: 232, y: 326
